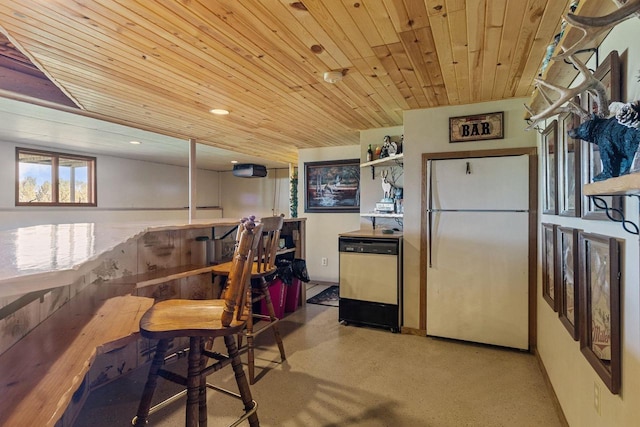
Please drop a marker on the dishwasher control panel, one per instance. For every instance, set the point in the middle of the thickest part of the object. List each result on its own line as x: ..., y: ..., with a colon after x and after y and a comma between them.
x: 368, y: 246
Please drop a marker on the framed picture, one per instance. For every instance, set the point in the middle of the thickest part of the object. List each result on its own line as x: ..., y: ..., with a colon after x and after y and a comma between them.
x: 600, y: 306
x: 609, y: 73
x: 569, y: 188
x: 478, y: 127
x: 549, y: 290
x: 332, y: 186
x: 550, y: 169
x: 566, y: 279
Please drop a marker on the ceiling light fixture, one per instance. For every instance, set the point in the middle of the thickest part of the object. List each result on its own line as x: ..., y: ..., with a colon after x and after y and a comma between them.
x: 219, y: 112
x: 333, y: 76
x: 135, y: 142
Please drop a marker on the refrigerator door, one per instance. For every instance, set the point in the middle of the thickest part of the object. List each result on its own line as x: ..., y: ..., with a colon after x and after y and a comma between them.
x: 477, y: 285
x: 494, y: 183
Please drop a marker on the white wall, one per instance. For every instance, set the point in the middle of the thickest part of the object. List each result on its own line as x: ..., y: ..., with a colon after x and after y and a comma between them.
x: 255, y: 196
x: 427, y: 131
x: 323, y: 228
x: 572, y: 377
x: 128, y: 190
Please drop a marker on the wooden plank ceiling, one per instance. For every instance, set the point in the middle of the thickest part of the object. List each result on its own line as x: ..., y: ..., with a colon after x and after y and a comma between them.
x: 162, y: 65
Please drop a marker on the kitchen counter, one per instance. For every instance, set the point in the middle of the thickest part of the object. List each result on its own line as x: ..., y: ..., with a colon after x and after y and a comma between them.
x: 48, y: 256
x: 71, y: 299
x: 372, y: 234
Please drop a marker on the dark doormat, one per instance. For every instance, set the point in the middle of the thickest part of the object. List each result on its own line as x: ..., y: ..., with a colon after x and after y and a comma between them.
x: 330, y: 296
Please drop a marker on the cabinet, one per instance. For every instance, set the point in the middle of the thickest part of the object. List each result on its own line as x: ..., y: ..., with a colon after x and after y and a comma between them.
x: 391, y: 161
x: 294, y: 236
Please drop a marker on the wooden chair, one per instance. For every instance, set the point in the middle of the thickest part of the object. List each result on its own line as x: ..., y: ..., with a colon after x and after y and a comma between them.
x: 200, y: 319
x: 264, y: 266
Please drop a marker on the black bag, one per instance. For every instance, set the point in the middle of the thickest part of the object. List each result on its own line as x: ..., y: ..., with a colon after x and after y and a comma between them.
x: 299, y: 267
x: 288, y: 269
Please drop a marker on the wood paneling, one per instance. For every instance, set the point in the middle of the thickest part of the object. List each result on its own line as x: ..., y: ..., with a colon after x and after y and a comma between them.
x: 162, y: 65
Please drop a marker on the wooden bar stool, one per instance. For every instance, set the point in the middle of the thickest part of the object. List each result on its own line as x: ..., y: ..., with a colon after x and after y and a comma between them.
x: 263, y: 267
x: 200, y: 319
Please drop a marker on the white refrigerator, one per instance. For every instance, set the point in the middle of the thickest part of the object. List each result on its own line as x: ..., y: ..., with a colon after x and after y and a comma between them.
x: 478, y: 250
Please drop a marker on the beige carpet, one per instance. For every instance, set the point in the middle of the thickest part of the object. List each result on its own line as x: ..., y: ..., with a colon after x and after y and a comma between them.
x: 339, y: 376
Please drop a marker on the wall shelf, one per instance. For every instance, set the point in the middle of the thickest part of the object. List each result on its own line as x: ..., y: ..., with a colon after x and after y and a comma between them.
x: 373, y: 215
x: 625, y: 185
x: 559, y: 72
x: 395, y: 159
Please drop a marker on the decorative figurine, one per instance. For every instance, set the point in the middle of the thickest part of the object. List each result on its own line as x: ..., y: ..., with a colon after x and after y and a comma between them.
x: 384, y: 152
x: 387, y: 204
x: 386, y: 185
x: 617, y: 143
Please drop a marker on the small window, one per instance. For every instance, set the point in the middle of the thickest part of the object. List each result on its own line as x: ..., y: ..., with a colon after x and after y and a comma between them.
x: 46, y: 178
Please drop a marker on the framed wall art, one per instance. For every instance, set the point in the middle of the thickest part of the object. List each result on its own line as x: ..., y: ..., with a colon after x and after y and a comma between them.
x: 550, y: 169
x: 600, y: 306
x: 569, y: 188
x: 332, y: 186
x: 478, y: 127
x: 609, y: 73
x: 549, y: 290
x: 566, y: 279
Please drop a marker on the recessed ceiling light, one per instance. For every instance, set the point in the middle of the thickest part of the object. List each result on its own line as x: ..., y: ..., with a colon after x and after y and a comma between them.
x: 234, y: 161
x: 219, y: 112
x: 135, y: 142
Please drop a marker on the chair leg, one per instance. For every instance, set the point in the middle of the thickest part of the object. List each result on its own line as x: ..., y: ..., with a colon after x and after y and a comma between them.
x: 264, y: 287
x: 241, y: 379
x: 250, y: 352
x: 202, y: 395
x: 152, y: 381
x: 193, y: 383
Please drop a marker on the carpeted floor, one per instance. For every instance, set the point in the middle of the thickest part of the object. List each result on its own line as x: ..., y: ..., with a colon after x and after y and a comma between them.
x: 329, y: 296
x: 347, y: 376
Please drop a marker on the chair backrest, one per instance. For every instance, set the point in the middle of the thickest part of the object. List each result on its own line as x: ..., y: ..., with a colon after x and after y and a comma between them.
x: 240, y: 272
x: 268, y: 246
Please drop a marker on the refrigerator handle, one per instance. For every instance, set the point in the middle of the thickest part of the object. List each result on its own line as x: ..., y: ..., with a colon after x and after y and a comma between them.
x: 429, y: 210
x: 429, y: 225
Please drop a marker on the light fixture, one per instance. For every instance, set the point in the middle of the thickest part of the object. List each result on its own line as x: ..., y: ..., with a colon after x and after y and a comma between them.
x: 234, y: 161
x: 219, y: 111
x: 332, y: 76
x: 135, y: 142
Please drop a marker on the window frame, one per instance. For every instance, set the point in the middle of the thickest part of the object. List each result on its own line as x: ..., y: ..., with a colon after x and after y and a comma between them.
x: 55, y: 184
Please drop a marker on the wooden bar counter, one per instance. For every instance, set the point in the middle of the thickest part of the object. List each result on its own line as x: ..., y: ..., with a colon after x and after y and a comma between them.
x: 72, y: 292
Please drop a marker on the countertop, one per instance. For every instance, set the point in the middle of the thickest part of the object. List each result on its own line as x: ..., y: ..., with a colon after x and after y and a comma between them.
x: 47, y: 256
x: 377, y: 233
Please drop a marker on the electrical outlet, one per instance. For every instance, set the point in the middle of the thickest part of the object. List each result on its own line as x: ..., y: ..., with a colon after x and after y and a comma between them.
x: 596, y: 397
x: 325, y: 261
